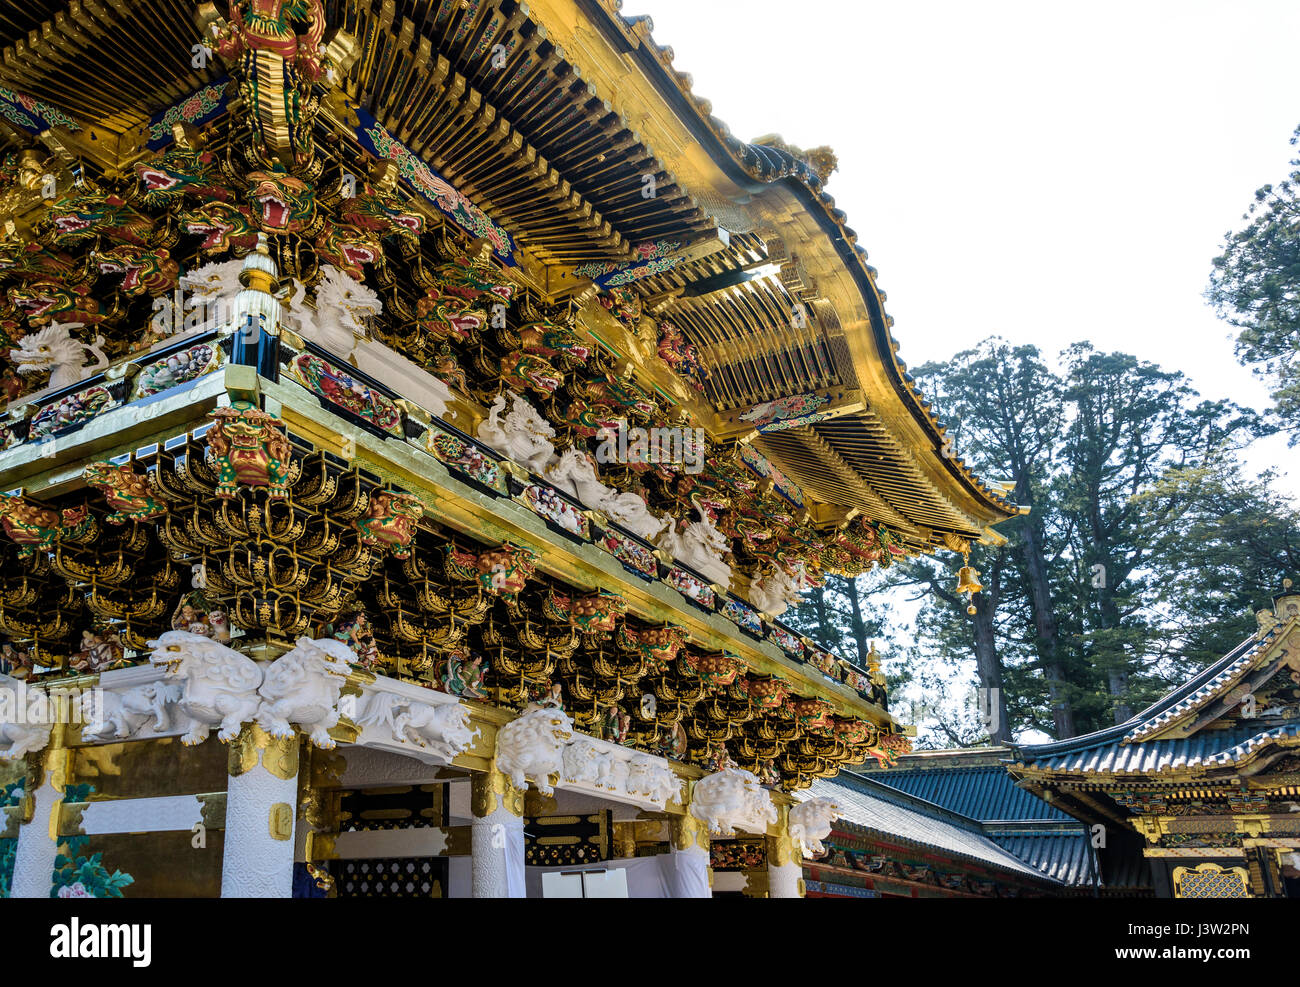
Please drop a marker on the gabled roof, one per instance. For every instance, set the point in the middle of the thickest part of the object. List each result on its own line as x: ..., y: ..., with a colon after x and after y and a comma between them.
x: 984, y: 793
x: 975, y: 783
x: 877, y: 809
x: 1188, y: 728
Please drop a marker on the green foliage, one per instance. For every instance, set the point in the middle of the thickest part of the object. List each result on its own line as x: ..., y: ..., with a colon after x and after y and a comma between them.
x: 10, y: 794
x: 1144, y: 553
x: 1255, y: 286
x: 86, y: 875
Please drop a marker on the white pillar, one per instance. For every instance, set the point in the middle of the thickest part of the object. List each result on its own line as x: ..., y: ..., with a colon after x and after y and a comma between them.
x: 784, y: 861
x: 261, y: 812
x: 690, y: 858
x: 38, y: 838
x: 497, y: 837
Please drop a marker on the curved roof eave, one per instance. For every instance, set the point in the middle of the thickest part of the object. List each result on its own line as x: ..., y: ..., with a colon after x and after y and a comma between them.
x: 768, y: 166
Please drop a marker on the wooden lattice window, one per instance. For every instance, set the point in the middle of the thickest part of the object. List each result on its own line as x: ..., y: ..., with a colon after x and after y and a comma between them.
x: 1211, y: 881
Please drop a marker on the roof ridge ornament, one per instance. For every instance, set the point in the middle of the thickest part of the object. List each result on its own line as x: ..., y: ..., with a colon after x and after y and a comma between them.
x: 821, y: 160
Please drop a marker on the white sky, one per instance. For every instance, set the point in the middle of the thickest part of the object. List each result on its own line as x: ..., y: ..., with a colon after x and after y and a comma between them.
x: 1048, y: 172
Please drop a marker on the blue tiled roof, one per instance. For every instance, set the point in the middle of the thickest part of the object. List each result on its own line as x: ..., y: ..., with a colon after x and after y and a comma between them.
x: 1121, y: 750
x: 867, y: 804
x: 983, y: 793
x: 1207, y: 748
x: 1061, y: 852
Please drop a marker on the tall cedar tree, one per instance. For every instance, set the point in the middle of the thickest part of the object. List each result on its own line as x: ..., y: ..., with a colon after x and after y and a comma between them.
x: 1144, y: 548
x: 1255, y: 286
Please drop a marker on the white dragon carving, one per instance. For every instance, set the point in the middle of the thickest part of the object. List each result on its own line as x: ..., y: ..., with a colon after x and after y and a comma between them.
x: 525, y: 436
x: 344, y: 308
x: 55, y: 349
x: 701, y: 546
x: 575, y: 474
x: 774, y: 593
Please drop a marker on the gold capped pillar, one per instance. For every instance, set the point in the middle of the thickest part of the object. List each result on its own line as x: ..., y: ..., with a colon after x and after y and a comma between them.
x: 496, y: 837
x: 261, y: 810
x: 38, y: 819
x: 691, y: 876
x: 784, y: 861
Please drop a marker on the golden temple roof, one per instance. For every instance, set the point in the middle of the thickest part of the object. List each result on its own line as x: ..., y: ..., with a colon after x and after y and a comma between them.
x: 552, y: 118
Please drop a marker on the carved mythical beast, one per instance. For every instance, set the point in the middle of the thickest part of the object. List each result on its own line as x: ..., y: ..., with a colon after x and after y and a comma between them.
x: 575, y: 474
x: 55, y: 349
x: 533, y: 744
x: 730, y: 798
x: 248, y: 449
x: 443, y: 728
x: 124, y: 714
x: 525, y: 436
x: 810, y: 823
x: 20, y: 738
x: 125, y: 490
x: 303, y: 687
x: 218, y: 684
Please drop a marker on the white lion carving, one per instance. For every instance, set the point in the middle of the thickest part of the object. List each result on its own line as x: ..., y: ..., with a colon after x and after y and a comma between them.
x: 652, y: 780
x: 302, y: 687
x: 444, y: 728
x: 525, y: 436
x: 575, y: 474
x: 124, y: 714
x: 730, y: 798
x: 776, y: 592
x: 55, y: 349
x: 218, y: 684
x: 581, y: 762
x: 612, y: 772
x: 533, y: 744
x: 810, y: 823
x: 701, y: 546
x: 19, y: 738
x: 344, y: 308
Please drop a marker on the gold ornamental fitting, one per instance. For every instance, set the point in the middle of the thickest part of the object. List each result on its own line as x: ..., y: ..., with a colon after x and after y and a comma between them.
x: 278, y: 755
x: 490, y: 789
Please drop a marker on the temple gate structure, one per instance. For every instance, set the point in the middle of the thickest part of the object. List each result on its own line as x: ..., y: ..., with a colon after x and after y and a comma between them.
x: 419, y: 414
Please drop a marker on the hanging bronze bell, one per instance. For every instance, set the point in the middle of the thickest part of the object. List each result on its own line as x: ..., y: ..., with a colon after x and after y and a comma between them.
x: 968, y: 583
x: 968, y: 580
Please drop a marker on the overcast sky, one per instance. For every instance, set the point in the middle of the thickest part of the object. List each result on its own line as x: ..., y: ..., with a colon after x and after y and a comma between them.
x: 1049, y: 172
